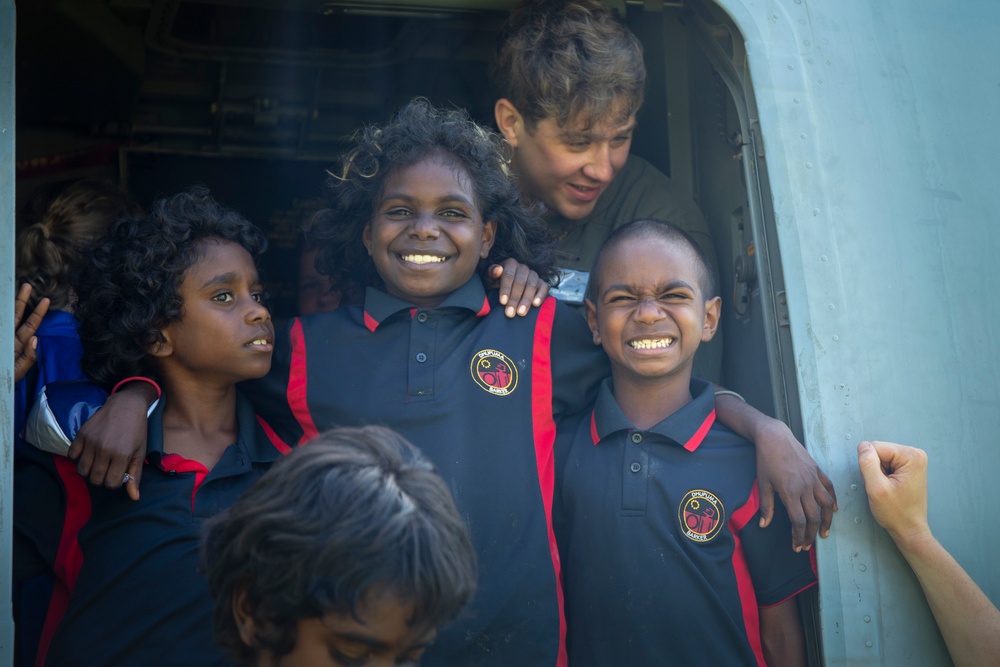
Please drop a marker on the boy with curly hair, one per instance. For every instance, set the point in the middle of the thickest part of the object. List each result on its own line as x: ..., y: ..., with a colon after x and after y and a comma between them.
x: 173, y: 296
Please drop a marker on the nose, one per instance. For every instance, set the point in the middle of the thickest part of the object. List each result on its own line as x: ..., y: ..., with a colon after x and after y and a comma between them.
x: 648, y: 311
x: 424, y: 227
x: 257, y: 312
x: 598, y: 167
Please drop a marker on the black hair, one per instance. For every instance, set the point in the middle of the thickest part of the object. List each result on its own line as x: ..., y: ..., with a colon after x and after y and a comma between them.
x: 130, y: 286
x: 416, y: 132
x: 354, y: 511
x: 648, y: 228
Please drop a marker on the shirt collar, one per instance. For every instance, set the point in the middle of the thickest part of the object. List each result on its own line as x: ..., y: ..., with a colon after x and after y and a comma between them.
x: 686, y: 428
x: 257, y: 446
x: 380, y: 306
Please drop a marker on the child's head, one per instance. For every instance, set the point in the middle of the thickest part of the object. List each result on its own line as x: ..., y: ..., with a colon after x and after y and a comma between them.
x: 350, y: 546
x: 179, y: 281
x: 568, y: 60
x: 49, y: 250
x: 317, y: 293
x: 421, y: 204
x: 651, y: 300
x: 570, y: 77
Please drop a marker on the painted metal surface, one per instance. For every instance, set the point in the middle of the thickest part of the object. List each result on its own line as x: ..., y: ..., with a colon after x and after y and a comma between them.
x: 877, y: 120
x: 6, y: 330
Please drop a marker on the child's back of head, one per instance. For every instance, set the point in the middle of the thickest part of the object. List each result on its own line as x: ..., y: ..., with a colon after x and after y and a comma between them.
x: 355, y: 520
x: 130, y: 288
x: 49, y: 251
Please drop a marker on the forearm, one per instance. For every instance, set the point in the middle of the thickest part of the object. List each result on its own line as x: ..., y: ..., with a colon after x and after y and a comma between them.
x: 748, y: 421
x: 968, y: 620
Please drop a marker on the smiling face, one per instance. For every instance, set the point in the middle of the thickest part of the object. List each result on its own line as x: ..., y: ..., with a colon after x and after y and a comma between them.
x: 380, y: 635
x: 225, y: 333
x: 649, y: 312
x: 567, y: 168
x: 427, y: 234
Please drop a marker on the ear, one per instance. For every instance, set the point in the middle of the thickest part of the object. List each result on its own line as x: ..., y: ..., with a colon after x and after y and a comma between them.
x: 713, y: 310
x: 489, y: 238
x: 244, y: 619
x: 366, y: 238
x: 509, y: 121
x: 163, y: 347
x: 592, y: 320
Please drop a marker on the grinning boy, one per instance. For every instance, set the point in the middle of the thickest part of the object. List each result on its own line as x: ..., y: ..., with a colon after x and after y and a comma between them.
x: 663, y: 557
x: 174, y: 296
x: 347, y: 552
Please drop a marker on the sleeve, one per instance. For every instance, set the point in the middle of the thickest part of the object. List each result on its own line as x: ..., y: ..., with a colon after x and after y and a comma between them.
x: 778, y: 573
x: 271, y: 394
x: 578, y: 365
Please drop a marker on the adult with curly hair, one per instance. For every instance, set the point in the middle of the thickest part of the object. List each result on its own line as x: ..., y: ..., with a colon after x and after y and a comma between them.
x: 350, y: 549
x: 173, y: 296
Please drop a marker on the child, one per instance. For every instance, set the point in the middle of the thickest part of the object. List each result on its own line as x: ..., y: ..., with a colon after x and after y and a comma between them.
x: 663, y: 558
x: 173, y: 296
x: 347, y: 552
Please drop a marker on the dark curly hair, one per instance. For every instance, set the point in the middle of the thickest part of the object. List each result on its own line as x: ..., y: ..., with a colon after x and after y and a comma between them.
x: 129, y: 288
x: 354, y: 511
x: 417, y: 131
x: 569, y: 60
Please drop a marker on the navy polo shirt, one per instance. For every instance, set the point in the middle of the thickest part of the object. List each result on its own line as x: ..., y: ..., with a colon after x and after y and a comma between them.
x: 129, y: 591
x: 663, y: 559
x: 480, y: 394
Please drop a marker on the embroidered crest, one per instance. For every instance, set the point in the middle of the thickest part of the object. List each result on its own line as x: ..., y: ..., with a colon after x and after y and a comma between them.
x: 494, y: 372
x: 701, y: 515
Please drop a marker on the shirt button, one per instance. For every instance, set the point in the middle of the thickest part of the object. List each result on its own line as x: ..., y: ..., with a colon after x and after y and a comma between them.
x: 421, y: 317
x: 421, y: 357
x: 637, y: 438
x: 635, y: 467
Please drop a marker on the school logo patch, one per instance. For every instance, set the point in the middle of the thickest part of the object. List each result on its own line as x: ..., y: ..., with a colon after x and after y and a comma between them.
x: 494, y: 372
x: 701, y: 515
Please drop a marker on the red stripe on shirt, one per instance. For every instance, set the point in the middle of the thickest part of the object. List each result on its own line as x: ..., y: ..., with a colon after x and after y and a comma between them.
x: 177, y: 463
x: 544, y: 430
x: 278, y: 443
x: 69, y: 557
x: 370, y: 323
x: 748, y: 599
x: 699, y: 435
x: 297, y: 386
x: 594, y: 435
x: 485, y: 310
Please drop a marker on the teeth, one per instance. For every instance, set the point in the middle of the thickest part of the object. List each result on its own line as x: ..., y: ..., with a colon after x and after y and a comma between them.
x: 423, y: 259
x: 651, y: 344
x: 259, y: 341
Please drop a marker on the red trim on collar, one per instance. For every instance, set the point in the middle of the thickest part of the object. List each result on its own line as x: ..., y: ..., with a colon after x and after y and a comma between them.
x: 699, y: 435
x: 593, y: 427
x: 485, y: 310
x: 370, y: 323
x: 177, y: 463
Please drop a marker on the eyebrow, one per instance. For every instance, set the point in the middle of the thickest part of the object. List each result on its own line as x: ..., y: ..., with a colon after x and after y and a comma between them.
x: 226, y: 279
x: 362, y: 638
x: 590, y: 133
x: 665, y: 287
x: 450, y: 197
